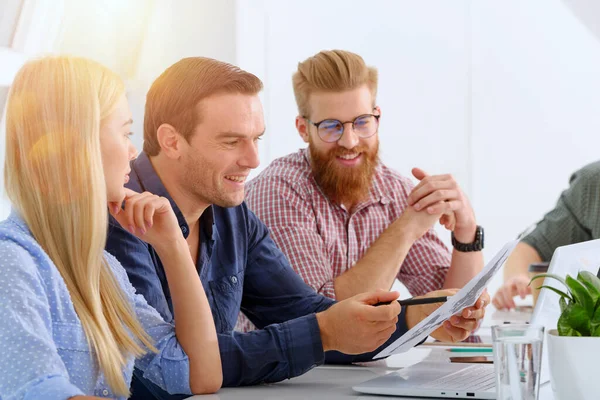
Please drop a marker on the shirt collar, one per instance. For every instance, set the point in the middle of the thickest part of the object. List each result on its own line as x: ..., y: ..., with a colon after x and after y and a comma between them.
x: 16, y: 218
x: 150, y: 181
x: 376, y: 192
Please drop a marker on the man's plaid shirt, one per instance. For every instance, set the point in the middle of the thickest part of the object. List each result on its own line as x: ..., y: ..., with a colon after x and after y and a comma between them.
x: 322, y: 240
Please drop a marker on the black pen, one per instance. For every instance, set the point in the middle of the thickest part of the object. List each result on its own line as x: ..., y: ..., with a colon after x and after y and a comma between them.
x: 416, y: 302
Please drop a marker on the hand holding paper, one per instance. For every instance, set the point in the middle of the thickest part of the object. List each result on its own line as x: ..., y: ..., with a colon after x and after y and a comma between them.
x: 459, y: 326
x: 461, y: 300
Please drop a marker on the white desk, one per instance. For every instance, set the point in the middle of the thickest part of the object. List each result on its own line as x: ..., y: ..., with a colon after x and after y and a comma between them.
x: 335, y: 382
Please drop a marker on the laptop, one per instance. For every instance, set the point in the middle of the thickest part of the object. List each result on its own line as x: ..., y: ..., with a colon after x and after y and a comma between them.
x: 478, y: 381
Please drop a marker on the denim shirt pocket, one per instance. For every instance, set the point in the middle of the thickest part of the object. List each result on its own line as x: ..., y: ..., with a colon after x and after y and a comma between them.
x: 227, y: 294
x: 71, y: 343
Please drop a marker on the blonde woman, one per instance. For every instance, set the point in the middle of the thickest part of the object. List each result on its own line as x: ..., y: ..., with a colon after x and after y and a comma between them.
x: 72, y: 326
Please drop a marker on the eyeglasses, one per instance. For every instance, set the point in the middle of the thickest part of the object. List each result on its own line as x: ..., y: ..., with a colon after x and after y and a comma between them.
x: 331, y: 130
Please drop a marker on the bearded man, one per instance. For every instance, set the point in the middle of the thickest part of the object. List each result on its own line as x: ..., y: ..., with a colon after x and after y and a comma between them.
x: 202, y: 124
x: 347, y: 223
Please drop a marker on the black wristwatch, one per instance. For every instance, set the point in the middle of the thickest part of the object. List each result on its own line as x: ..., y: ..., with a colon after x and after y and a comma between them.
x: 476, y: 245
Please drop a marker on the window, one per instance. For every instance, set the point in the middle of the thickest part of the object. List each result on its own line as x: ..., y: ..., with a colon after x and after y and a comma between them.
x: 27, y: 28
x: 10, y: 11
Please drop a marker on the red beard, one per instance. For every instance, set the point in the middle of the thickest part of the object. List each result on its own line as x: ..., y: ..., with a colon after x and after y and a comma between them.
x: 344, y: 185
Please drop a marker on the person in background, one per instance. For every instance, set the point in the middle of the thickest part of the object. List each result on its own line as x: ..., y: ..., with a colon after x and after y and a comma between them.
x: 575, y: 219
x: 72, y: 325
x: 202, y: 125
x: 347, y: 222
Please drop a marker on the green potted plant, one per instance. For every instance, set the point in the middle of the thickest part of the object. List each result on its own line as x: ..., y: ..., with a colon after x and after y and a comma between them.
x: 573, y: 348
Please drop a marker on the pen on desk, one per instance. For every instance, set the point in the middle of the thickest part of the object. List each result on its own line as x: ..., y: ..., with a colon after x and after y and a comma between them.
x: 471, y: 350
x: 419, y: 301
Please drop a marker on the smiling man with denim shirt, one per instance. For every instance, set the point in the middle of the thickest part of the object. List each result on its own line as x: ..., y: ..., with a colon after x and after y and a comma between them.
x: 202, y: 123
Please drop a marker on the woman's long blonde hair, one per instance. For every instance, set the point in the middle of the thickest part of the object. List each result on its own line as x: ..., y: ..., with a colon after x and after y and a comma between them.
x: 54, y: 177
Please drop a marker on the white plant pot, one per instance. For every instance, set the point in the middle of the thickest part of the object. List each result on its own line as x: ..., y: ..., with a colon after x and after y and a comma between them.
x: 573, y: 366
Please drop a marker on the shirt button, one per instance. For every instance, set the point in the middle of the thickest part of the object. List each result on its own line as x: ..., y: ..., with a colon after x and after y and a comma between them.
x: 233, y: 280
x: 105, y: 392
x: 184, y: 229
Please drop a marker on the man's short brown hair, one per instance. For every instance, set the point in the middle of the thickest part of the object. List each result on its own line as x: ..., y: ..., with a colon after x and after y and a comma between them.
x: 174, y: 96
x: 331, y: 71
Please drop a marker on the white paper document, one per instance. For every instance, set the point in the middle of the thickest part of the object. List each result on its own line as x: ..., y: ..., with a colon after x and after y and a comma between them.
x: 465, y: 297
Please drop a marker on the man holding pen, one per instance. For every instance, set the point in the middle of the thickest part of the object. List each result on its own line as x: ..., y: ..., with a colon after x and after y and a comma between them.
x: 202, y: 123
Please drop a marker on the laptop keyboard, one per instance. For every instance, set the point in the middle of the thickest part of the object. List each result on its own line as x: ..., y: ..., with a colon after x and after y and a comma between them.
x: 474, y: 377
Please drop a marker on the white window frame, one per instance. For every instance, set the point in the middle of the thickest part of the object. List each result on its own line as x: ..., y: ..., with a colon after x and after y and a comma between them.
x: 35, y: 33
